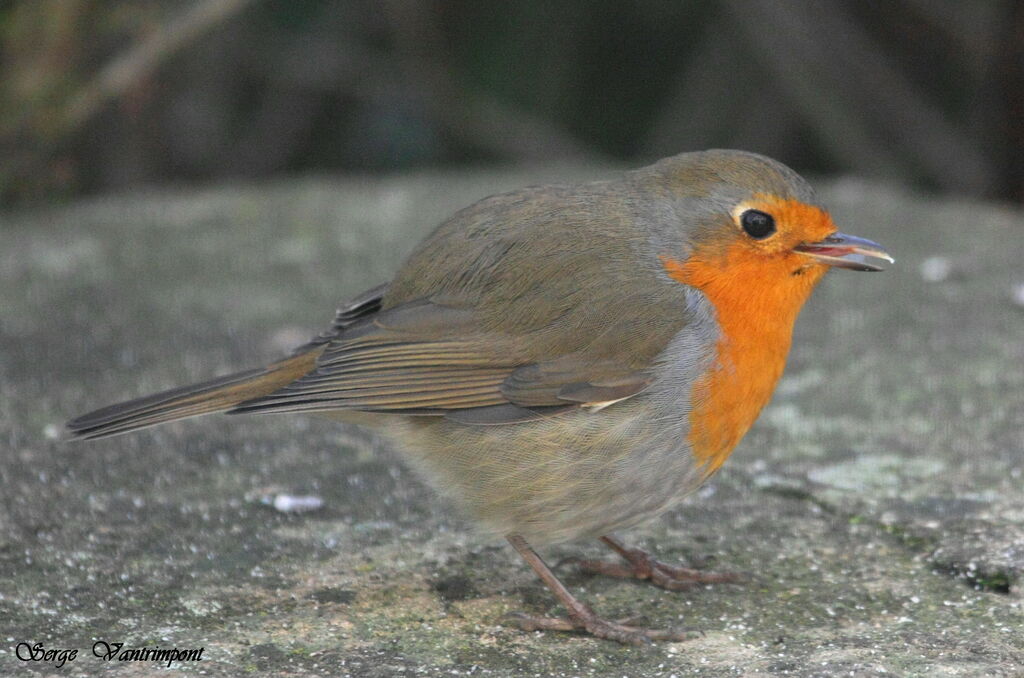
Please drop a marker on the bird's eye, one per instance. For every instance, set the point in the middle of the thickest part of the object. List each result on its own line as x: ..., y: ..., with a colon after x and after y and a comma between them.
x: 757, y: 224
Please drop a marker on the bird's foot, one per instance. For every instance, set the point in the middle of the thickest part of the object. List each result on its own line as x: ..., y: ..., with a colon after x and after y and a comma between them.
x: 581, y: 618
x: 642, y: 565
x: 585, y: 620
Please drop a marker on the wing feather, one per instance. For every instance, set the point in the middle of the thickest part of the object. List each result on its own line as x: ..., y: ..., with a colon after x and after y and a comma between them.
x: 430, y: 359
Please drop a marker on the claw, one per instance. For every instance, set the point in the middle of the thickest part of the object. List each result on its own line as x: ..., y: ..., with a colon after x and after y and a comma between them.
x: 642, y: 565
x: 619, y: 631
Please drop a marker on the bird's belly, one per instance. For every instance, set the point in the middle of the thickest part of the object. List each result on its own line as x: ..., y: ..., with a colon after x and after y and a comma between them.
x: 577, y: 475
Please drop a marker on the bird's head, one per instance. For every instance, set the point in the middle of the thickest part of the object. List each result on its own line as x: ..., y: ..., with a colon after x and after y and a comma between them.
x: 753, y: 229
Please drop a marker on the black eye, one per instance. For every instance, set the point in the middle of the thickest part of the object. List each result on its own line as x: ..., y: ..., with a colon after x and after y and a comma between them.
x: 757, y: 224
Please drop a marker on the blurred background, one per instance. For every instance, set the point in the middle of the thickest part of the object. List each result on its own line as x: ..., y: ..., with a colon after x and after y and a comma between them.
x: 101, y: 95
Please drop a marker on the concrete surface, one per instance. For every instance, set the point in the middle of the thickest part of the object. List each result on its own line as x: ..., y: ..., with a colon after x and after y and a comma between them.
x: 877, y: 509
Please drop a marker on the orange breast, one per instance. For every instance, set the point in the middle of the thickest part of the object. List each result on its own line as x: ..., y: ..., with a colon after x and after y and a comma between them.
x: 756, y: 307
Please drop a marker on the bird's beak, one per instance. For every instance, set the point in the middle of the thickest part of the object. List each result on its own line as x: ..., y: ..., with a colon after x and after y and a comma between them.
x: 846, y: 251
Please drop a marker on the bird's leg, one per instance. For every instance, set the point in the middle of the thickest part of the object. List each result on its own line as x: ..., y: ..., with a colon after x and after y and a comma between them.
x: 581, y: 617
x: 642, y: 565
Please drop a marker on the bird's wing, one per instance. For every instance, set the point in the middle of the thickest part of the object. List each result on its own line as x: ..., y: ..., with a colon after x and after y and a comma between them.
x: 427, y: 358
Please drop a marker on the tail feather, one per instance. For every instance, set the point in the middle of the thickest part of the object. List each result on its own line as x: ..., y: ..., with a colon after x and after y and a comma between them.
x: 216, y: 395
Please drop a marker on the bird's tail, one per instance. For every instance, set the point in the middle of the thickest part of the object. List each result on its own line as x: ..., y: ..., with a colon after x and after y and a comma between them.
x: 216, y: 395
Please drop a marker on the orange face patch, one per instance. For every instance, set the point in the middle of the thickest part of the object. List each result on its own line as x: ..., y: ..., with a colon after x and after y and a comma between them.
x: 757, y: 289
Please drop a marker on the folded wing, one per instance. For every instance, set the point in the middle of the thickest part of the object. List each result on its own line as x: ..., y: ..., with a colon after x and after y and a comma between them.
x: 428, y: 358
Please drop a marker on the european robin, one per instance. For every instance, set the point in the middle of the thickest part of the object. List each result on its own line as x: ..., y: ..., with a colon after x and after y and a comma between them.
x: 565, y: 361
